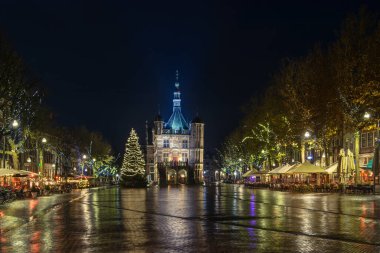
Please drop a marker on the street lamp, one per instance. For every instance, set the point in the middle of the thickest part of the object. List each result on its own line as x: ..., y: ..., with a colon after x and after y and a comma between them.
x: 367, y: 115
x: 84, y: 158
x: 41, y: 156
x: 15, y: 124
x: 29, y: 160
x: 307, y: 153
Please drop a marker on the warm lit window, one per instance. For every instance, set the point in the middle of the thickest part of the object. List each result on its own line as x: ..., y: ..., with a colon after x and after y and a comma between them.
x: 184, y: 157
x: 364, y: 140
x: 166, y: 157
x: 367, y: 139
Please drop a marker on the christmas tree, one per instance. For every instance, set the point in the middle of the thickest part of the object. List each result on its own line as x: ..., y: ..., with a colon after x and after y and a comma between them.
x: 133, y: 168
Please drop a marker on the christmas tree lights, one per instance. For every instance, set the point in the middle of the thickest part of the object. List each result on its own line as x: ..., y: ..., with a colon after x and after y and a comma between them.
x: 133, y: 168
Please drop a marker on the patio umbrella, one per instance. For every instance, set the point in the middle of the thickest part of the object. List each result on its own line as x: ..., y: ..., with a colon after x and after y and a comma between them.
x: 350, y: 162
x: 342, y: 168
x: 307, y: 168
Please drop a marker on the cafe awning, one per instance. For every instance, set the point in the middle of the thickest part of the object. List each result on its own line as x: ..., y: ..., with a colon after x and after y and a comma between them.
x: 332, y: 168
x: 282, y: 169
x: 8, y: 172
x: 250, y: 173
x: 275, y: 171
x: 15, y: 173
x: 306, y: 168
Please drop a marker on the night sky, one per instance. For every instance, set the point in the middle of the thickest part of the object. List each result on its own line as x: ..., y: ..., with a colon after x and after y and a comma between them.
x: 110, y: 65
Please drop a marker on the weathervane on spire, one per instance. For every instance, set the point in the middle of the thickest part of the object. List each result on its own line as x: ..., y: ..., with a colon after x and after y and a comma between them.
x: 176, y: 78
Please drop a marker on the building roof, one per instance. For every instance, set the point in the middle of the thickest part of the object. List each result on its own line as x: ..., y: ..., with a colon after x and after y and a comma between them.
x: 177, y: 121
x: 158, y: 118
x: 197, y: 119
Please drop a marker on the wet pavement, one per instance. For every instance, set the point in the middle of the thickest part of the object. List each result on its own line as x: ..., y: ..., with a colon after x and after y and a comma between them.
x: 228, y: 218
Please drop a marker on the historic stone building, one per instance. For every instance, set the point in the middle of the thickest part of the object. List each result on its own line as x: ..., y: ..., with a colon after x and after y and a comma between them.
x: 174, y: 149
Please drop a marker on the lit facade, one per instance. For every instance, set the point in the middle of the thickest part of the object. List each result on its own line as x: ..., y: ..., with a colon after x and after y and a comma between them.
x: 175, y: 149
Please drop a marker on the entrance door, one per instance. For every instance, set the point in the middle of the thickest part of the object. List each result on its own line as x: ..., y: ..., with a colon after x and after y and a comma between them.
x: 182, y: 177
x: 172, y: 177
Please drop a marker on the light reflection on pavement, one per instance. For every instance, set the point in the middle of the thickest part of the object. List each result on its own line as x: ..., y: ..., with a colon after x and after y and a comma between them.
x: 192, y: 219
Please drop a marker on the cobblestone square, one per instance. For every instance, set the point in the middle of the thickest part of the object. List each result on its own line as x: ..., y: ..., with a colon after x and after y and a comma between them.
x: 225, y: 218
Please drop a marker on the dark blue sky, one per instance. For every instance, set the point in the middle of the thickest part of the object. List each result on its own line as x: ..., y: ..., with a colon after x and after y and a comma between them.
x: 109, y: 64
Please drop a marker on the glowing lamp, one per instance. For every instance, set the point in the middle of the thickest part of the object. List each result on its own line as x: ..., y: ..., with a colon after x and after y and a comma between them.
x: 15, y: 124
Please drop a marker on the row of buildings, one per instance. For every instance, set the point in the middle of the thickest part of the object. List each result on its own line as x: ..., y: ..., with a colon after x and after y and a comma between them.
x: 50, y: 161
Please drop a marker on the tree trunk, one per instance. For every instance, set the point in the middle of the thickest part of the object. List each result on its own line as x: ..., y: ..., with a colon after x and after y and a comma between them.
x: 357, y: 168
x: 15, y: 160
x: 327, y: 156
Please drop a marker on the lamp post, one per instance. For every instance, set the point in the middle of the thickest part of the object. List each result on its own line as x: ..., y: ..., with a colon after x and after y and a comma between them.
x: 84, y: 157
x: 307, y: 154
x: 92, y: 166
x: 41, y: 155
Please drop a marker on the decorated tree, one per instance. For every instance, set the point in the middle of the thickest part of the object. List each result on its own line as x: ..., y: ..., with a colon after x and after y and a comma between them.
x: 133, y: 168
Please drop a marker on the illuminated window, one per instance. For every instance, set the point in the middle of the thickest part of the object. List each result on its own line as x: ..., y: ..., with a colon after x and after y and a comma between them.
x: 185, y: 144
x: 184, y: 157
x: 166, y: 143
x: 166, y: 157
x: 364, y: 140
x: 367, y: 139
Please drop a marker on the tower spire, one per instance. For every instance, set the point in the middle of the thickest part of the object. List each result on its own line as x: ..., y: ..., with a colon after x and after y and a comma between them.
x: 176, y: 79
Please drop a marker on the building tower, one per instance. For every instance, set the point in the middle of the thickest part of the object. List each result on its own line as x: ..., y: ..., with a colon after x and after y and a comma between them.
x: 197, y: 147
x: 176, y: 146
